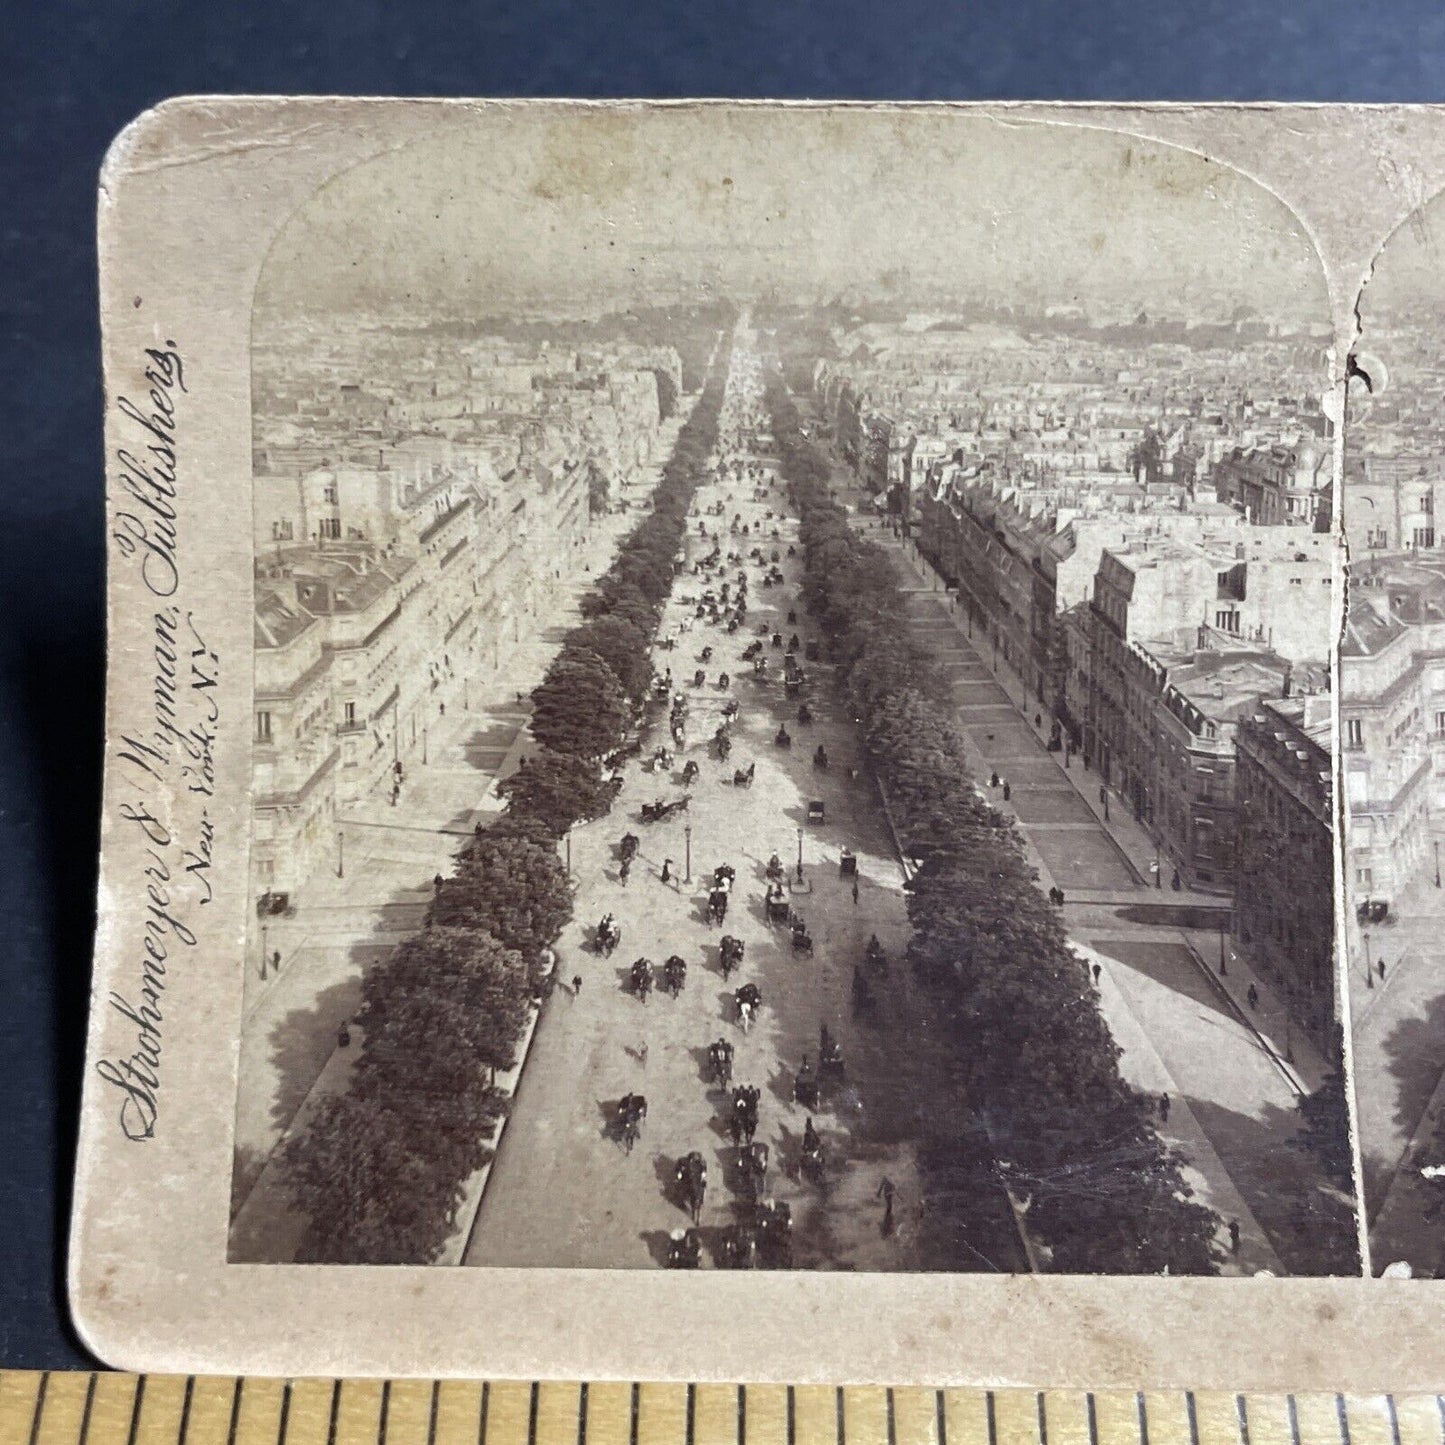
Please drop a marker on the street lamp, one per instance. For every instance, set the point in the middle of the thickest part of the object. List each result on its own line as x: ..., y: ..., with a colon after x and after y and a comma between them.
x: 1369, y: 968
x: 340, y: 854
x: 265, y: 951
x: 569, y: 852
x: 1223, y: 956
x: 1437, y: 862
x: 800, y: 854
x: 423, y: 744
x: 687, y: 853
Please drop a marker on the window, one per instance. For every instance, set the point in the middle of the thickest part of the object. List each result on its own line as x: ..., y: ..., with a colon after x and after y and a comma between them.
x: 1440, y: 724
x: 1377, y: 537
x: 348, y: 714
x: 1354, y: 733
x: 328, y: 494
x: 1427, y: 504
x: 331, y: 528
x: 1364, y: 879
x: 1227, y: 621
x: 1424, y: 537
x: 263, y: 727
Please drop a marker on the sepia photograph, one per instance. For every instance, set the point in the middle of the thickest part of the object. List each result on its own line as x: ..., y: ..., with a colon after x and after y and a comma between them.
x: 1392, y: 721
x: 792, y: 720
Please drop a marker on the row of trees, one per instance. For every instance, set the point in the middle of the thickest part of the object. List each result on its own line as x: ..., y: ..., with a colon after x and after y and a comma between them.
x: 1073, y: 1142
x: 381, y: 1167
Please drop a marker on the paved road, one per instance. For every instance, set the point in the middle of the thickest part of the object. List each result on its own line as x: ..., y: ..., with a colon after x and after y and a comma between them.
x: 562, y: 1192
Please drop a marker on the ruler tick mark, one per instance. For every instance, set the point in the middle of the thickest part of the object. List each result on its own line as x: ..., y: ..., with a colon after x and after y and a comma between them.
x: 940, y: 1416
x: 236, y: 1410
x: 840, y: 1414
x: 1142, y: 1411
x: 1043, y: 1418
x: 1192, y: 1411
x: 39, y: 1407
x: 1344, y: 1419
x: 285, y: 1413
x: 892, y: 1419
x: 385, y: 1411
x: 1241, y: 1417
x: 431, y: 1424
x: 532, y: 1413
x: 993, y: 1421
x: 1091, y: 1412
x: 482, y: 1412
x: 184, y: 1429
x: 792, y: 1420
x: 1293, y: 1409
x: 89, y: 1402
x: 582, y: 1413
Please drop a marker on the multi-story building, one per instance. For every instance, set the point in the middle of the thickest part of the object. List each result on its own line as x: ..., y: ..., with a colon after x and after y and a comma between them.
x: 1277, y: 485
x: 1284, y: 908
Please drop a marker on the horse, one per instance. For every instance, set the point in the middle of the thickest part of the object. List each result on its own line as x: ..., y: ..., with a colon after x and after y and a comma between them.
x: 782, y: 738
x: 717, y: 905
x: 820, y: 759
x: 690, y: 772
x: 674, y: 973
x: 690, y: 1175
x: 749, y: 999
x: 629, y: 846
x: 724, y: 745
x: 775, y: 1233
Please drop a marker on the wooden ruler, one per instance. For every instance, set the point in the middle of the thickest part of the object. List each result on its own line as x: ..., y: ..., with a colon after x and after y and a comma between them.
x: 116, y: 1409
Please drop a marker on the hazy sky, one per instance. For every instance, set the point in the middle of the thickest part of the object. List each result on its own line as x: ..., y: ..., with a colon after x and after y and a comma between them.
x: 612, y: 209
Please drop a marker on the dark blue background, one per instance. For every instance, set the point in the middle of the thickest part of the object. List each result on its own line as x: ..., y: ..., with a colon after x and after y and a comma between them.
x: 74, y: 74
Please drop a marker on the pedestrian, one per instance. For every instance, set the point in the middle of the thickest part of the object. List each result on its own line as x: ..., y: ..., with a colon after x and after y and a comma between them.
x: 1381, y: 966
x: 1253, y: 996
x: 576, y: 984
x: 276, y: 960
x: 642, y: 1053
x: 343, y: 1037
x: 1098, y: 971
x: 1006, y: 790
x: 623, y: 869
x: 1175, y: 882
x: 667, y: 870
x: 885, y: 1192
x: 855, y: 891
x: 1038, y: 719
x: 1234, y: 1236
x: 395, y: 793
x: 437, y: 882
x: 1164, y: 1108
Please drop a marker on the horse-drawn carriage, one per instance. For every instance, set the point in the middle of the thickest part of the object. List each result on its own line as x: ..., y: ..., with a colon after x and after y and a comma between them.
x: 811, y: 1159
x: 717, y: 904
x: 802, y: 939
x: 639, y: 978
x: 817, y: 813
x: 783, y: 738
x: 805, y: 1086
x: 684, y: 1249
x: 743, y: 777
x: 730, y: 954
x: 661, y: 809
x: 820, y: 758
x: 607, y: 935
x: 774, y: 1223
x: 742, y: 1121
x: 777, y: 906
x: 753, y: 1163
x: 720, y: 1062
x: 630, y: 1115
x: 690, y: 1177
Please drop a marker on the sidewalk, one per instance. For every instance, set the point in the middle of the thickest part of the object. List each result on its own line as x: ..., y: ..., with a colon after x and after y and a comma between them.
x: 1295, y: 1055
